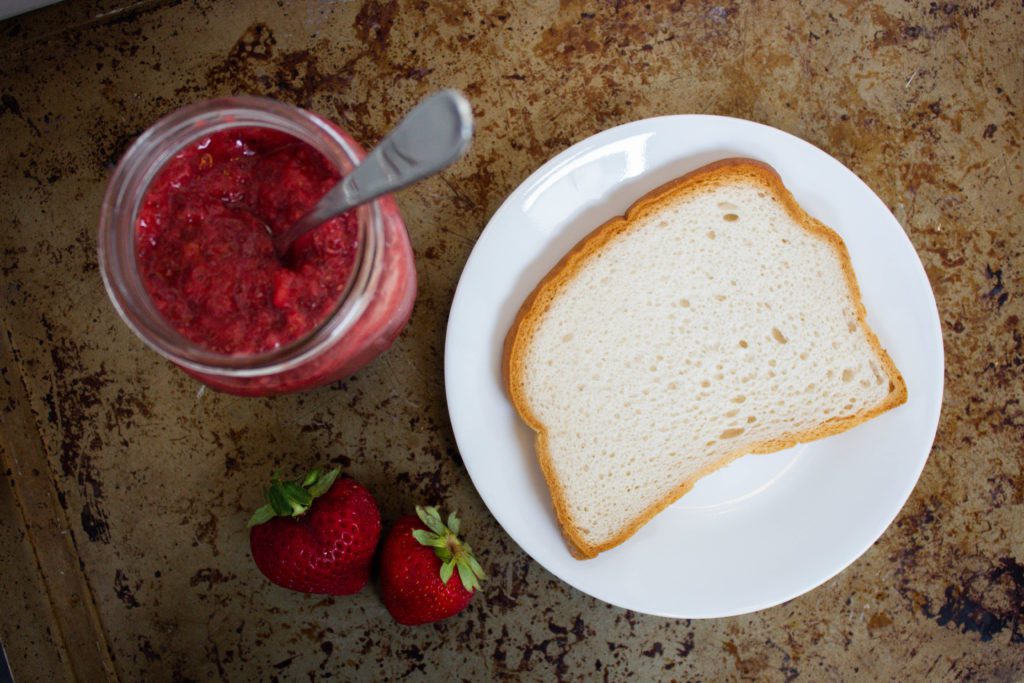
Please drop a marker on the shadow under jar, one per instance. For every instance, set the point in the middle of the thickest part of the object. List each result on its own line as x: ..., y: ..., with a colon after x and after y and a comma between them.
x: 187, y: 257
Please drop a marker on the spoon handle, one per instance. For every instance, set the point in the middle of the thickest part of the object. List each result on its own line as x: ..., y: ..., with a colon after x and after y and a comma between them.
x: 431, y: 136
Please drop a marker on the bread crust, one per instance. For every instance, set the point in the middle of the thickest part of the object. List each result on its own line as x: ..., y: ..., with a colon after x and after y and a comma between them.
x: 536, y: 304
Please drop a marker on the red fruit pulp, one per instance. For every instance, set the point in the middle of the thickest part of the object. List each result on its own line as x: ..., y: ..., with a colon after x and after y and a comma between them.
x: 205, y: 254
x: 327, y: 550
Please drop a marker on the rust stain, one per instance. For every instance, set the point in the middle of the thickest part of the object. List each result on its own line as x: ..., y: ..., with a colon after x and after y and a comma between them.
x: 985, y: 604
x: 73, y: 405
x: 374, y: 21
x: 255, y: 64
x: 125, y: 589
x: 879, y: 620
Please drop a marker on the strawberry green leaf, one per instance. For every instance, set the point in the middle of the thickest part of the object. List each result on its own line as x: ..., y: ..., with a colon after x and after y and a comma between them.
x: 310, y: 478
x: 278, y: 501
x: 453, y: 523
x: 475, y: 566
x: 421, y: 512
x: 324, y: 483
x: 469, y: 581
x: 427, y: 538
x: 446, y: 571
x: 432, y: 518
x: 297, y: 496
x: 262, y: 514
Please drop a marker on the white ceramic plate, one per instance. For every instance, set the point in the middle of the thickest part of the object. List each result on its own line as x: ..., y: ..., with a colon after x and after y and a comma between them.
x: 765, y: 529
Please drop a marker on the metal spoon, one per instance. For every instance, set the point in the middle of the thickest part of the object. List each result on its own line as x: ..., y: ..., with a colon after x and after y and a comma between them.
x: 430, y: 137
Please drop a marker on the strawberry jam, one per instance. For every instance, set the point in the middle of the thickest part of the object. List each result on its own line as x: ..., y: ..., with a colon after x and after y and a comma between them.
x: 204, y: 243
x: 185, y: 245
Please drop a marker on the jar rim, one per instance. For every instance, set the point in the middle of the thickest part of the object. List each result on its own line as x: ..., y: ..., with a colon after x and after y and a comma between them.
x: 131, y: 179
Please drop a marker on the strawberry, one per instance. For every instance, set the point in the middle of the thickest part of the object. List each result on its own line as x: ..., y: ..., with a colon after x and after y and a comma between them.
x: 416, y: 564
x: 316, y: 535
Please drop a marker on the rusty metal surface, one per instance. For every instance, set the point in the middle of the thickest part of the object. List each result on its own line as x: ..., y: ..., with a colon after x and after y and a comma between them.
x: 155, y: 479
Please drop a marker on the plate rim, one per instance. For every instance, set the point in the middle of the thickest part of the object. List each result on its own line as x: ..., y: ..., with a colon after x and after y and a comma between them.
x: 597, y: 140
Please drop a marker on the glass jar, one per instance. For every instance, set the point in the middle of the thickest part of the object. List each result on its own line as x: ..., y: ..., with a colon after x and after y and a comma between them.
x: 368, y: 316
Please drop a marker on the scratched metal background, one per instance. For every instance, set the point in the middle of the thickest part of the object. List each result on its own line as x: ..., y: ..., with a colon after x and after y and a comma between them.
x: 124, y: 548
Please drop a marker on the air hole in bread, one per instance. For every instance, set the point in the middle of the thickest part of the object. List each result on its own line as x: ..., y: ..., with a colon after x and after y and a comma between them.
x: 803, y: 356
x: 711, y: 234
x: 743, y: 343
x: 710, y: 443
x: 731, y: 433
x: 732, y: 413
x: 874, y: 369
x: 751, y: 419
x: 730, y: 217
x: 672, y: 386
x: 567, y: 338
x: 771, y: 363
x: 720, y: 297
x: 739, y: 399
x: 810, y: 387
x: 663, y: 224
x: 847, y: 375
x: 779, y: 337
x: 705, y: 383
x: 852, y: 327
x: 726, y: 206
x: 685, y: 303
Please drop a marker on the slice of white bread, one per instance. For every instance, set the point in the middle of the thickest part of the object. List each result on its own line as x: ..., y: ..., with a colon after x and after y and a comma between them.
x: 715, y: 319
